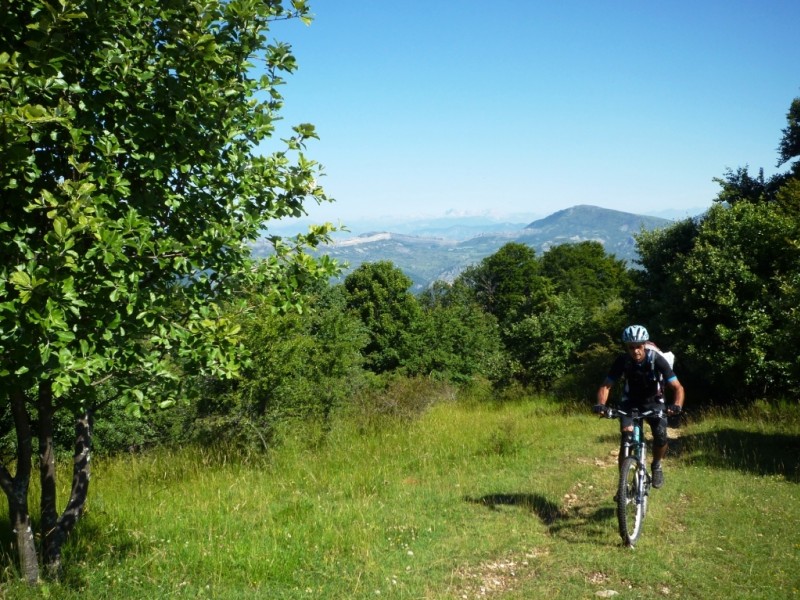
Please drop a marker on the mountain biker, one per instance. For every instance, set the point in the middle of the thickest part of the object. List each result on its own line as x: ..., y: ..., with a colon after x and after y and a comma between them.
x: 643, y: 370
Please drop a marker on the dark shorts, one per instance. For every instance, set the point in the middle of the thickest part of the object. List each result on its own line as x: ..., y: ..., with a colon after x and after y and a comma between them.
x: 658, y: 425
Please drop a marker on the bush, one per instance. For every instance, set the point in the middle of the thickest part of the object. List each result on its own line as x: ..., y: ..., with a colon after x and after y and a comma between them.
x: 543, y: 343
x: 456, y: 341
x: 587, y: 373
x: 301, y: 366
x: 398, y: 398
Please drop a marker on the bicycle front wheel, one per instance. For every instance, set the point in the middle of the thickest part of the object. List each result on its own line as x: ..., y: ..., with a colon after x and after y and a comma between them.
x: 631, y: 501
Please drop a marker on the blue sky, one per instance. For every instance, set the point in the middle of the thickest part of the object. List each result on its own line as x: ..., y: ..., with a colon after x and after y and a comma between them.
x: 530, y: 106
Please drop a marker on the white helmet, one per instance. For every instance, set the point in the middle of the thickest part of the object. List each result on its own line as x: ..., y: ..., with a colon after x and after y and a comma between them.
x: 635, y: 334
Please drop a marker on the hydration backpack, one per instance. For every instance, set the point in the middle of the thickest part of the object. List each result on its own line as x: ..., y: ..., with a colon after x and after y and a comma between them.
x: 652, y: 374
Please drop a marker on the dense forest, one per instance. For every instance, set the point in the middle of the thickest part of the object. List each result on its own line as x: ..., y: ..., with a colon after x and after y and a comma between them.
x: 132, y: 197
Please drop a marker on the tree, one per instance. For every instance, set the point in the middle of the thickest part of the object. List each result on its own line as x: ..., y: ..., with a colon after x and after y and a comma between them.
x: 592, y: 287
x: 458, y: 340
x: 543, y: 343
x: 656, y: 300
x: 585, y: 271
x: 131, y: 195
x: 598, y: 281
x: 726, y: 300
x: 723, y: 289
x: 737, y: 276
x: 789, y: 148
x: 739, y: 186
x: 378, y: 293
x: 508, y: 284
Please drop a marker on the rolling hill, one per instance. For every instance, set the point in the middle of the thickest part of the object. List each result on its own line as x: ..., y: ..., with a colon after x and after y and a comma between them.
x: 427, y: 258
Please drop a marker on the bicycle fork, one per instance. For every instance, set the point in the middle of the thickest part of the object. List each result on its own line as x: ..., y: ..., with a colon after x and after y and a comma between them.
x: 635, y: 447
x: 643, y: 483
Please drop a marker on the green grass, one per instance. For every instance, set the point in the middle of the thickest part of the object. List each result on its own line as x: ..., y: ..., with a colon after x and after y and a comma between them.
x: 468, y: 501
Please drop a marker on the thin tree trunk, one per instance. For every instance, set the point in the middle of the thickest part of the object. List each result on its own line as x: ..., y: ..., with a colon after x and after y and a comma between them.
x: 47, y: 470
x: 21, y: 523
x: 16, y: 490
x: 63, y: 526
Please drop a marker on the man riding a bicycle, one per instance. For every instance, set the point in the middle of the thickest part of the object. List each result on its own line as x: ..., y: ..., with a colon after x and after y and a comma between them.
x: 645, y: 372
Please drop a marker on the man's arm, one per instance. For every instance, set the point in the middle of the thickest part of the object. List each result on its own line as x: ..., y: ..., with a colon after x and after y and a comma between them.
x: 603, y: 392
x: 602, y: 397
x: 677, y: 391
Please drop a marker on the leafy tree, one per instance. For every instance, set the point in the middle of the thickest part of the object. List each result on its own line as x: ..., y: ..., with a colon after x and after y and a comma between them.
x: 723, y: 302
x: 131, y: 195
x: 724, y: 288
x: 657, y: 300
x: 508, y: 284
x: 458, y: 341
x: 569, y: 336
x: 739, y: 186
x: 378, y: 293
x: 598, y: 281
x: 543, y: 343
x: 585, y: 271
x: 789, y: 149
x: 788, y: 198
x: 743, y: 263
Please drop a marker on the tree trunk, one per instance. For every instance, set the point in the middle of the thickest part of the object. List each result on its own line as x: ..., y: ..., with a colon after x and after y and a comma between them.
x: 16, y: 490
x: 47, y: 470
x: 21, y: 523
x: 59, y: 529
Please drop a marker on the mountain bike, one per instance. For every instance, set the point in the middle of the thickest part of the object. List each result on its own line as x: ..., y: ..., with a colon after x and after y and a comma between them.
x: 634, y: 478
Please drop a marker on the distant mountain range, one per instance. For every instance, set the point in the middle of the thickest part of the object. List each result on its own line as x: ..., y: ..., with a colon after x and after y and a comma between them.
x: 441, y: 250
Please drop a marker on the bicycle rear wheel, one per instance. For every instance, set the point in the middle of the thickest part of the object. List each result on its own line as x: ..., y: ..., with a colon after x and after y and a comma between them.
x: 631, y: 502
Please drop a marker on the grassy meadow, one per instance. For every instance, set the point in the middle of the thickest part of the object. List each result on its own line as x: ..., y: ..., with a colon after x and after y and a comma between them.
x: 469, y: 500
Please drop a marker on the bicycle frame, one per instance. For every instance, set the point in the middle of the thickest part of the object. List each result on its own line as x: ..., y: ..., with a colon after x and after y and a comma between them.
x: 635, y: 480
x: 636, y: 446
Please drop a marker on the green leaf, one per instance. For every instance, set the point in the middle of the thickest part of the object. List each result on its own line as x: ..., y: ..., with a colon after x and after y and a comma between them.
x: 21, y: 279
x: 60, y: 227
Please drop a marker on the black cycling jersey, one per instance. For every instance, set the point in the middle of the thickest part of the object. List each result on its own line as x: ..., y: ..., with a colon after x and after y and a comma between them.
x: 643, y: 381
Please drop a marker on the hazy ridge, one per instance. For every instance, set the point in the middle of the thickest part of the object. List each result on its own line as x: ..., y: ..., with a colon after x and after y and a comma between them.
x: 441, y: 248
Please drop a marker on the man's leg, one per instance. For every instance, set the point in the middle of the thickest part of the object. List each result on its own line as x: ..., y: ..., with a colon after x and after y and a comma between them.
x: 660, y: 445
x: 659, y: 452
x: 626, y: 437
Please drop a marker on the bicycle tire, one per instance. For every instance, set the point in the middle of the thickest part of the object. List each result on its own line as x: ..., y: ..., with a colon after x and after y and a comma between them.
x: 630, y: 510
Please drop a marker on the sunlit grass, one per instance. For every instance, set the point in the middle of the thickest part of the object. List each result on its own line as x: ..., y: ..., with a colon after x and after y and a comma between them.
x: 470, y: 500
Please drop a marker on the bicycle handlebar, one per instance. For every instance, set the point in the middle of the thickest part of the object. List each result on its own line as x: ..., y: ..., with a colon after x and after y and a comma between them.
x: 614, y: 413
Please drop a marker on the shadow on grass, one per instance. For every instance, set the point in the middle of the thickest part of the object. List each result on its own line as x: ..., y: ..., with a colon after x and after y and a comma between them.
x: 549, y: 512
x: 88, y: 545
x: 588, y: 524
x: 608, y: 438
x: 578, y: 524
x: 747, y: 451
